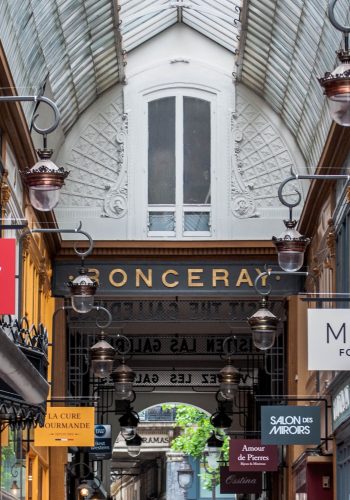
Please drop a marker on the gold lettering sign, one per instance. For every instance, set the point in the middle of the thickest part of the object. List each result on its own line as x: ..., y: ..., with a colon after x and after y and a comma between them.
x: 67, y: 426
x: 146, y: 279
x: 193, y: 278
x: 94, y: 274
x: 166, y: 282
x: 244, y: 277
x: 220, y: 275
x: 121, y: 283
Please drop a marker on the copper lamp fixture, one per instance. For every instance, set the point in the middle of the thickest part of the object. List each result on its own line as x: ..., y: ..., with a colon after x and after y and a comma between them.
x: 44, y: 179
x: 336, y: 84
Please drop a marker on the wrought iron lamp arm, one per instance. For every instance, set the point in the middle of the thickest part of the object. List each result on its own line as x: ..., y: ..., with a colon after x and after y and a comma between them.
x: 336, y: 24
x: 265, y: 293
x: 34, y: 98
x: 294, y: 177
x: 78, y: 230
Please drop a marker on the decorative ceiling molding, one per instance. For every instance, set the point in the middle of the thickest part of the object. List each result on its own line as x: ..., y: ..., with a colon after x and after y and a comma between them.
x: 260, y: 161
x: 98, y: 164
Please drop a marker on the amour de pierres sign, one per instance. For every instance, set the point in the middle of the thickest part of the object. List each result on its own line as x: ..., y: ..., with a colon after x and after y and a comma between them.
x: 290, y: 425
x: 328, y: 339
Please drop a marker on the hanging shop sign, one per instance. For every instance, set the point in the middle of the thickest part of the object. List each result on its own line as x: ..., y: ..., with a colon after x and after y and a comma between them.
x: 290, y: 425
x: 67, y: 426
x: 240, y: 482
x: 250, y: 455
x: 7, y: 275
x: 341, y: 406
x: 102, y: 450
x: 328, y: 339
x: 148, y: 277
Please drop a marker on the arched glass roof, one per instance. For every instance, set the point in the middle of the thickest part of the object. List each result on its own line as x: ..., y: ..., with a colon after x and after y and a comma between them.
x: 80, y: 46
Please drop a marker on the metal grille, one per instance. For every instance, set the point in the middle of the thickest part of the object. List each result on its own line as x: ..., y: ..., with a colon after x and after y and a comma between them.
x: 207, y: 350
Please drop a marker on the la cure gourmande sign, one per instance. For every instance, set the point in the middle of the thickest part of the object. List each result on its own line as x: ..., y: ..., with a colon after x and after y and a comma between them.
x: 67, y: 426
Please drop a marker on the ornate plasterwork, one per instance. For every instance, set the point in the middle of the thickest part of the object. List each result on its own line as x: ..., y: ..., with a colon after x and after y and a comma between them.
x: 260, y: 160
x: 98, y: 165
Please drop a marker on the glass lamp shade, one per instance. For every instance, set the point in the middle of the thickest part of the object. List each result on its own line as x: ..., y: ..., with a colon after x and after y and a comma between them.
x: 290, y: 261
x: 229, y: 378
x: 264, y: 339
x: 124, y: 390
x: 123, y: 378
x: 128, y: 432
x: 101, y: 367
x: 83, y: 289
x: 44, y: 198
x: 337, y: 89
x: 263, y: 325
x: 15, y: 489
x: 134, y: 446
x: 339, y: 108
x: 82, y: 303
x: 228, y: 390
x: 185, y: 475
x: 213, y: 457
x: 291, y: 246
x: 102, y: 357
x: 44, y: 181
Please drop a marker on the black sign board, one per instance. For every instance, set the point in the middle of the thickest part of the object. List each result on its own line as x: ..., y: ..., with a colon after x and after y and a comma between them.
x: 149, y: 278
x: 290, y: 425
x: 103, y: 443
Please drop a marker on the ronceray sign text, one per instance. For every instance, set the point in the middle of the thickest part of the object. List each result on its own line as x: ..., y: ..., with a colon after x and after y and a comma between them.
x: 149, y: 277
x: 250, y: 455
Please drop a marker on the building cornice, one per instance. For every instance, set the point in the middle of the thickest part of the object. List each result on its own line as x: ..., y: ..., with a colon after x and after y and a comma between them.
x: 211, y: 249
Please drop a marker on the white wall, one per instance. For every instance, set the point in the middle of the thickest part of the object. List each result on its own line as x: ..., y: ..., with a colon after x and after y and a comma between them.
x: 106, y: 150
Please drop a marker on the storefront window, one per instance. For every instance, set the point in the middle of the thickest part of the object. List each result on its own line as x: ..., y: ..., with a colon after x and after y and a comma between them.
x: 13, y: 470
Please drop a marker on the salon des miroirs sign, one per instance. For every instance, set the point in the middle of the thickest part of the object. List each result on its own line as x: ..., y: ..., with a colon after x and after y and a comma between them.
x: 173, y: 277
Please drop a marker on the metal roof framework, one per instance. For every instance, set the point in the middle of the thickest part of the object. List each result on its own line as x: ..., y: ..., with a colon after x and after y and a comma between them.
x: 81, y: 45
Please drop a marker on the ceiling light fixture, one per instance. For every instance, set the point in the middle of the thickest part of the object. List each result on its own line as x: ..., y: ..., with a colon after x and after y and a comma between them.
x: 336, y: 84
x: 44, y: 179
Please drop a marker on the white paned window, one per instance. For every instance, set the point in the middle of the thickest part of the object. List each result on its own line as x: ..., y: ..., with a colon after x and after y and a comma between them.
x: 179, y: 165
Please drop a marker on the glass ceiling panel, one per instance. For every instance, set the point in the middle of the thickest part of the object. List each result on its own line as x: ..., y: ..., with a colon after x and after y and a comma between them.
x: 71, y: 40
x: 288, y: 43
x: 302, y: 45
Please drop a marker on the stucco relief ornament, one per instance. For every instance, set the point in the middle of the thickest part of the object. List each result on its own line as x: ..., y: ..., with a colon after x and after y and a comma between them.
x: 242, y: 203
x: 116, y: 200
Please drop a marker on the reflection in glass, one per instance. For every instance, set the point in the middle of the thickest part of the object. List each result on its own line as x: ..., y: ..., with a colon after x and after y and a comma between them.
x: 196, y: 136
x: 161, y: 151
x: 161, y: 221
x: 197, y: 221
